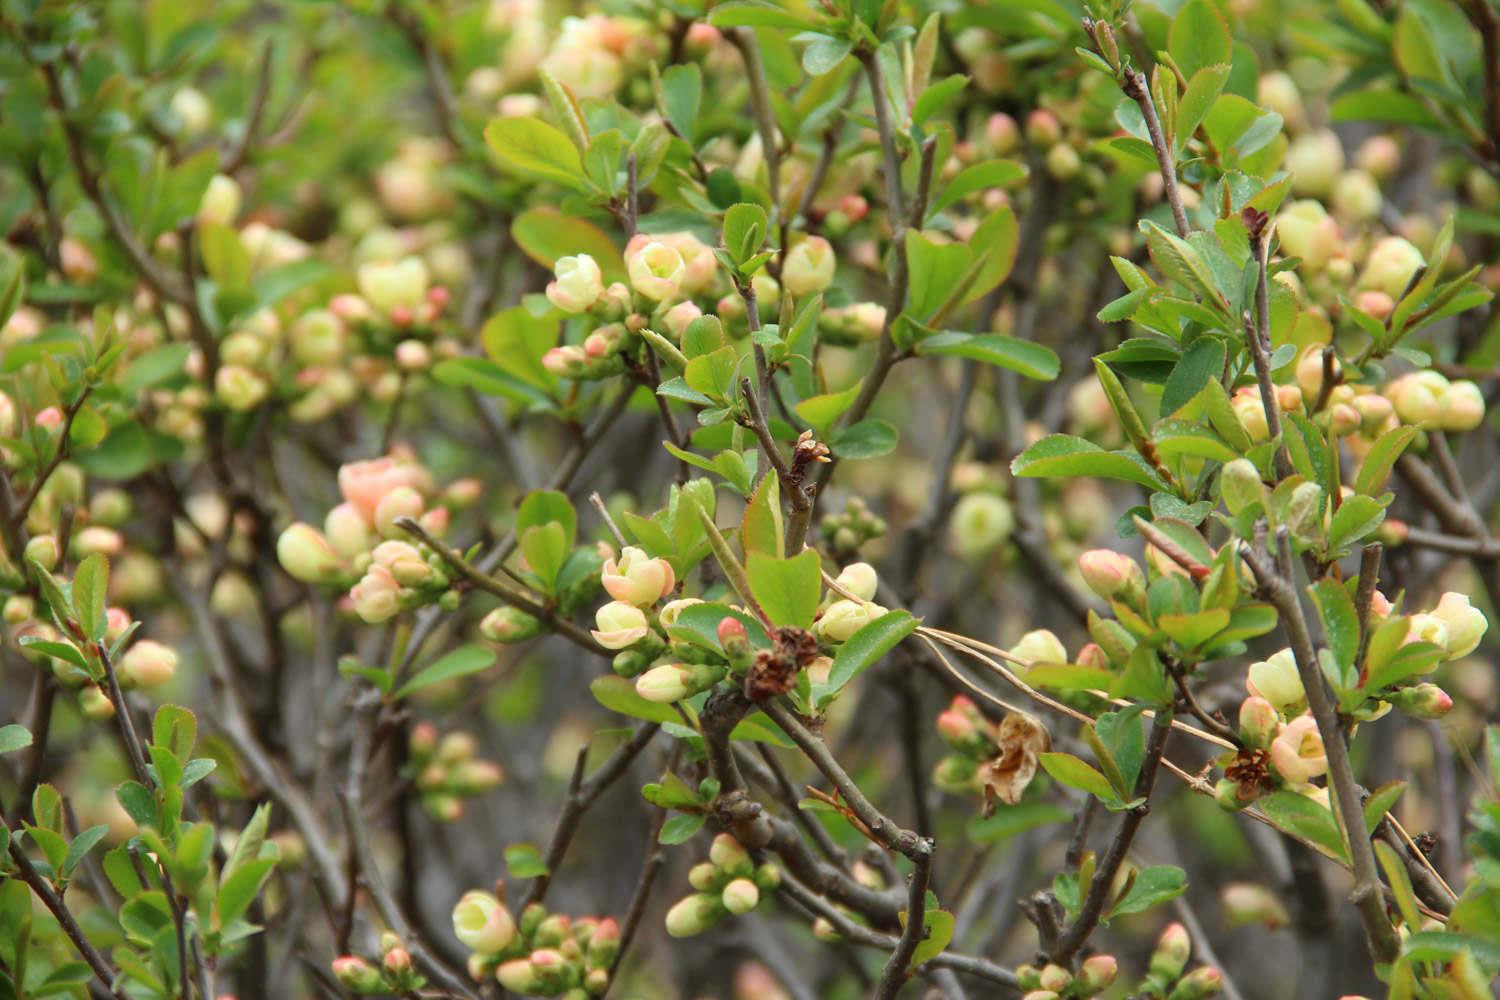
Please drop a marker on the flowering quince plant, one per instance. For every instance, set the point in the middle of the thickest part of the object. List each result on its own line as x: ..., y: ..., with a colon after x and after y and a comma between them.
x: 749, y: 498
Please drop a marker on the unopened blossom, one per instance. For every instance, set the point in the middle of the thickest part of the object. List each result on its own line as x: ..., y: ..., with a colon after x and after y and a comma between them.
x: 620, y: 625
x: 1039, y: 646
x: 392, y: 286
x: 809, y: 267
x: 377, y: 596
x: 578, y: 284
x: 656, y: 270
x: 306, y: 554
x: 844, y: 618
x: 1390, y: 266
x: 1277, y: 680
x: 483, y: 923
x: 1465, y: 624
x: 859, y: 579
x: 147, y: 664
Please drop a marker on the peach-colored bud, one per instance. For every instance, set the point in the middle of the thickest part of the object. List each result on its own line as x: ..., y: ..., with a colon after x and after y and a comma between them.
x: 377, y: 596
x: 306, y: 555
x: 347, y: 531
x: 239, y: 388
x: 1251, y: 903
x: 403, y: 501
x: 1259, y: 722
x: 731, y: 631
x: 859, y: 579
x: 1390, y: 266
x: 1315, y: 161
x: 1419, y: 398
x: 638, y: 579
x: 843, y: 618
x: 1465, y: 624
x: 1042, y: 128
x: 740, y: 896
x: 1111, y: 574
x: 693, y: 915
x: 578, y: 285
x: 147, y: 664
x: 1463, y: 407
x: 809, y: 267
x: 1276, y: 680
x: 656, y: 270
x: 620, y: 625
x: 356, y: 974
x: 1039, y: 646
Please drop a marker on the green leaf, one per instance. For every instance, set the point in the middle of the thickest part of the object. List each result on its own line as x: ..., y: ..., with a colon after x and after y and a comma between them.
x: 155, y: 367
x: 1063, y: 456
x: 680, y: 829
x: 80, y: 846
x: 870, y: 438
x: 487, y: 377
x: 546, y: 507
x: 762, y: 529
x: 935, y: 272
x: 1025, y: 357
x: 14, y: 737
x: 460, y: 662
x: 525, y: 861
x: 1380, y: 801
x: 938, y: 926
x: 545, y: 234
x: 240, y: 888
x: 822, y: 411
x: 1008, y: 821
x: 1300, y: 815
x: 1202, y: 90
x: 1381, y: 458
x: 1151, y: 886
x: 976, y: 178
x: 863, y: 650
x: 224, y: 257
x: 824, y: 54
x: 545, y: 548
x: 530, y: 148
x: 1076, y: 773
x: 90, y: 595
x: 1199, y: 38
x: 755, y: 14
x: 1202, y: 362
x: 787, y: 590
x: 744, y: 231
x: 681, y: 97
x: 1340, y: 622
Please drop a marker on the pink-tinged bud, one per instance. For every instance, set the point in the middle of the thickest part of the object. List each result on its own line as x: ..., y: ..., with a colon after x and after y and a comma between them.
x: 1297, y: 752
x: 1310, y: 371
x: 518, y: 977
x: 147, y: 664
x: 620, y: 625
x: 665, y: 684
x: 49, y: 419
x: 1390, y: 266
x: 422, y: 741
x: 1097, y: 973
x: 1423, y: 701
x: 507, y: 625
x: 376, y: 596
x: 1041, y: 995
x: 1315, y: 161
x: 1002, y: 133
x: 475, y: 777
x: 1251, y: 903
x: 566, y: 362
x: 636, y: 578
x: 1375, y: 303
x: 1042, y: 128
x: 578, y: 285
x: 1200, y: 984
x: 116, y: 621
x: 1039, y: 646
x: 680, y: 317
x: 656, y: 270
x: 604, y: 943
x: 1463, y: 407
x: 413, y: 356
x: 1056, y: 978
x: 740, y: 896
x: 1289, y: 398
x: 693, y: 915
x: 483, y: 922
x: 403, y: 501
x: 1111, y: 575
x: 856, y: 207
x: 397, y: 962
x: 1419, y: 398
x: 1259, y: 722
x: 97, y: 540
x: 729, y: 854
x: 1251, y: 413
x: 1380, y: 155
x: 731, y: 632
x: 809, y: 267
x: 1063, y: 162
x: 95, y: 704
x: 1465, y: 624
x: 355, y: 974
x: 960, y: 724
x: 859, y: 579
x: 705, y: 876
x: 1171, y: 954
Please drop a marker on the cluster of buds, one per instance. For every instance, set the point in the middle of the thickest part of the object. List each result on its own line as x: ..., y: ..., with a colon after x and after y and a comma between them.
x: 849, y: 529
x: 1054, y: 982
x: 1166, y: 978
x: 597, y: 54
x: 729, y: 882
x: 396, y: 973
x: 851, y: 325
x: 971, y: 738
x: 446, y: 770
x: 362, y: 540
x: 843, y: 616
x: 541, y: 954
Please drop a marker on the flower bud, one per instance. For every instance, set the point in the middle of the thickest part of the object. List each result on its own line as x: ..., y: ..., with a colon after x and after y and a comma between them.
x: 979, y: 523
x: 636, y: 578
x: 1240, y: 485
x: 95, y: 704
x: 1304, y: 230
x: 665, y: 684
x: 221, y: 201
x: 767, y: 877
x: 518, y: 977
x: 376, y: 596
x: 508, y: 625
x: 1309, y: 371
x: 1097, y: 973
x: 1054, y: 977
x: 403, y: 501
x: 731, y: 633
x: 604, y: 944
x: 1111, y: 575
x: 392, y: 287
x: 961, y: 725
x: 1259, y: 722
x: 397, y: 962
x: 239, y: 388
x: 1062, y: 161
x: 1250, y: 903
x: 1315, y: 161
x: 1422, y: 701
x: 1199, y: 984
x: 704, y: 876
x: 860, y: 580
x: 1277, y: 680
x: 656, y: 270
x: 1251, y: 413
x: 809, y: 267
x: 843, y: 618
x: 147, y: 664
x: 1465, y: 624
x: 1390, y: 266
x: 578, y: 285
x: 693, y: 915
x: 1463, y: 407
x: 357, y: 975
x: 1039, y: 646
x: 1042, y: 128
x: 1419, y: 398
x: 620, y: 625
x: 678, y: 318
x: 1002, y: 133
x: 1171, y: 954
x: 1277, y: 92
x: 729, y: 854
x: 956, y: 774
x: 740, y: 896
x: 1356, y: 197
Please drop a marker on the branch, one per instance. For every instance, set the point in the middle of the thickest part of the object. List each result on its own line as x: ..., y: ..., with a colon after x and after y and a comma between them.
x: 893, y: 976
x: 1135, y: 88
